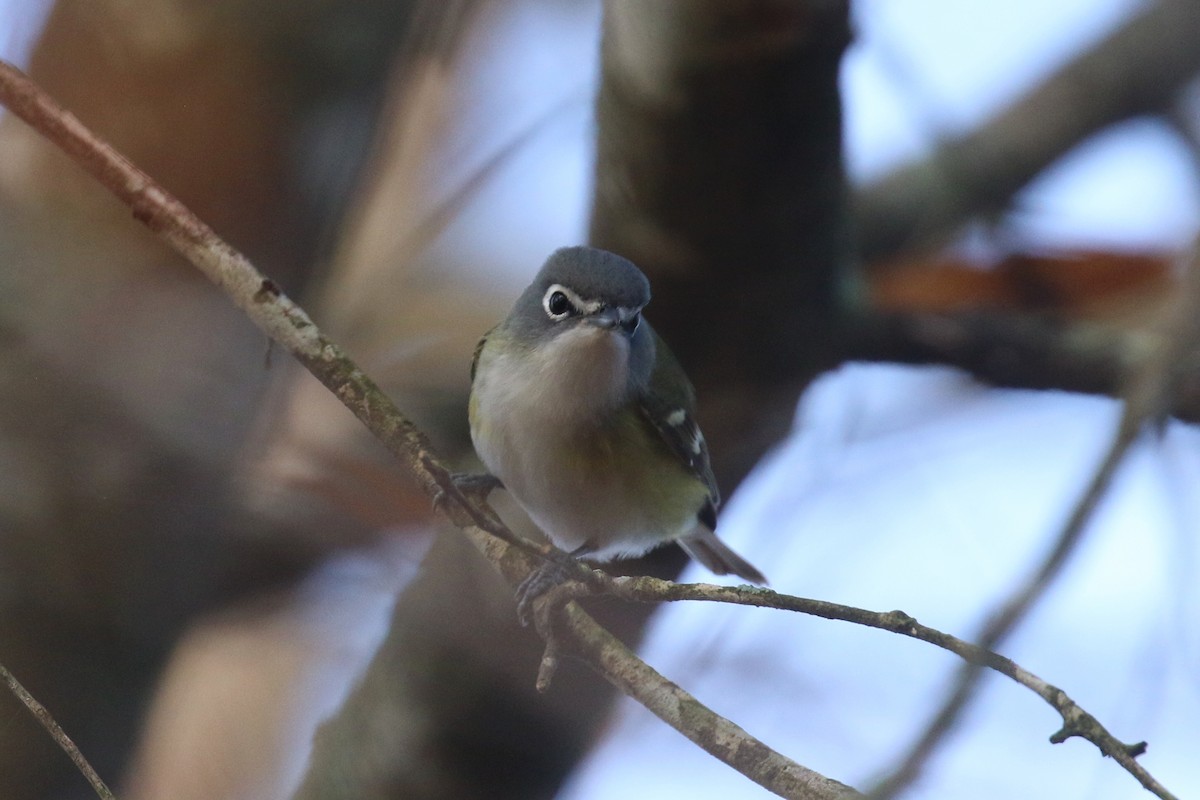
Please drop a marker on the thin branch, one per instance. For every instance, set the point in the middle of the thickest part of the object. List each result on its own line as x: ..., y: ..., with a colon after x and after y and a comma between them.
x: 286, y: 323
x: 1149, y: 397
x: 56, y: 732
x: 438, y: 219
x: 1076, y: 721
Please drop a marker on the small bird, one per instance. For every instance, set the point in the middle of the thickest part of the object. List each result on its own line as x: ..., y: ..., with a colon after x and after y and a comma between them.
x: 582, y: 413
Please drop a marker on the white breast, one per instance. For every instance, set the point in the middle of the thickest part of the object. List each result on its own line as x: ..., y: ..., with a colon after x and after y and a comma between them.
x: 580, y: 375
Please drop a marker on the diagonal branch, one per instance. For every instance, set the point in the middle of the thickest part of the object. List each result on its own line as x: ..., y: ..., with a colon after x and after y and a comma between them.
x: 43, y: 716
x: 1026, y: 351
x: 288, y: 325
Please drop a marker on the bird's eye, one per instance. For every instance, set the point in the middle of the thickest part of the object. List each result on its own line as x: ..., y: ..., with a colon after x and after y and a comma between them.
x: 630, y: 325
x: 558, y: 305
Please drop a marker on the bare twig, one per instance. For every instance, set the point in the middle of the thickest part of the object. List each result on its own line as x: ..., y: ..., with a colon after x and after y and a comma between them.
x: 57, y: 733
x: 441, y: 215
x: 287, y: 324
x: 1149, y: 396
x: 1076, y: 720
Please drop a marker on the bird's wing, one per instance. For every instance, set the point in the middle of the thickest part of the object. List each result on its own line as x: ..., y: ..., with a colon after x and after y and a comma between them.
x: 668, y: 404
x: 478, y: 350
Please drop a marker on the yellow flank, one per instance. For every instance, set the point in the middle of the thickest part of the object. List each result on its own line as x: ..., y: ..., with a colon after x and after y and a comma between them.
x: 473, y: 416
x: 631, y: 452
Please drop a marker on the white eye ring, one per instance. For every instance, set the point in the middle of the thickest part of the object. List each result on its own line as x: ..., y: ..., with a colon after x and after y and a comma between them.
x: 560, y: 303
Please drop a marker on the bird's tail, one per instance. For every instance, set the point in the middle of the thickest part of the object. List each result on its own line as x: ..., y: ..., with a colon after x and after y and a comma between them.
x: 710, y: 551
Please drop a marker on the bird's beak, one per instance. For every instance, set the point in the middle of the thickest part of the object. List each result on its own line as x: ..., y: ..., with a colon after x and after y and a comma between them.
x: 606, y: 318
x: 614, y: 318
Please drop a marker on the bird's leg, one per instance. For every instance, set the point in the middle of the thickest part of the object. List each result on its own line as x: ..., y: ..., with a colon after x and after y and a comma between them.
x: 559, y: 568
x: 476, y: 485
x: 473, y: 486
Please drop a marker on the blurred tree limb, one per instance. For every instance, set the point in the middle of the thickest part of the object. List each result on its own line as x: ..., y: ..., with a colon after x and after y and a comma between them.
x: 1139, y: 68
x: 719, y: 172
x: 1024, y: 350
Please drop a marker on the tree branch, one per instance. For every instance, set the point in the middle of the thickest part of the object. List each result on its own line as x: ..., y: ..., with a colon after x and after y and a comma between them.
x: 43, y: 716
x: 1138, y: 69
x: 1025, y: 351
x: 288, y: 325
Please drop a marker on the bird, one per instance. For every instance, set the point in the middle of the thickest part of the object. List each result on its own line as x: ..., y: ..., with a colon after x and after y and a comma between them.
x: 582, y: 413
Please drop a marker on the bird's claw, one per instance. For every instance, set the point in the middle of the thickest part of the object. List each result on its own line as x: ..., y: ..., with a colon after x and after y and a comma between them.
x: 474, y: 486
x: 559, y: 570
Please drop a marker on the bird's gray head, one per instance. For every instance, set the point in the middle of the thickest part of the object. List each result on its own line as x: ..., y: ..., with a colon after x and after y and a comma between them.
x: 583, y: 287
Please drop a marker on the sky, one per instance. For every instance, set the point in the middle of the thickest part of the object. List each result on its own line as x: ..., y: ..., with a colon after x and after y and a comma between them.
x: 19, y: 22
x: 910, y: 488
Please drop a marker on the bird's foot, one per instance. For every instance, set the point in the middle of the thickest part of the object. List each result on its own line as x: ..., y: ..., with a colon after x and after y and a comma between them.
x: 560, y: 579
x: 559, y: 571
x: 472, y: 486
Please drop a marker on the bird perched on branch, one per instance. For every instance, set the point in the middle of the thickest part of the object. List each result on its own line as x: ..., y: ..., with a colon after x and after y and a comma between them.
x: 581, y: 411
